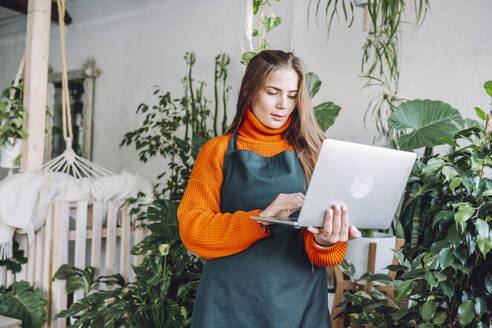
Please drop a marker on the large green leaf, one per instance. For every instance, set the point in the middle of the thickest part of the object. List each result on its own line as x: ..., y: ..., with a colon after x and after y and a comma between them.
x: 247, y: 56
x: 429, y: 120
x: 480, y: 306
x: 428, y: 310
x: 326, y: 113
x: 23, y: 302
x: 433, y: 165
x: 313, y: 83
x: 445, y: 257
x: 463, y: 214
x: 466, y: 312
x: 484, y: 242
x: 404, y: 290
x: 440, y: 318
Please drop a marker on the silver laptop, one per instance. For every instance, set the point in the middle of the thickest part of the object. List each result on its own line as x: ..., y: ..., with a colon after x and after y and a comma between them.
x: 369, y: 180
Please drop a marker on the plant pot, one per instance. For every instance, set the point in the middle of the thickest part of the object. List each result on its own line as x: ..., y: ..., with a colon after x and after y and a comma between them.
x: 9, y: 152
x: 359, y: 3
x: 357, y: 253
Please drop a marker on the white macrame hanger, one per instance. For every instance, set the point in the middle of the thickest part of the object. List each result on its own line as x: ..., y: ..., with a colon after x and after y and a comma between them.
x: 69, y: 162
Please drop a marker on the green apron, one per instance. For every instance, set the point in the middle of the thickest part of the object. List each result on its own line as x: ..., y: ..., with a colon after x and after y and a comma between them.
x: 272, y: 283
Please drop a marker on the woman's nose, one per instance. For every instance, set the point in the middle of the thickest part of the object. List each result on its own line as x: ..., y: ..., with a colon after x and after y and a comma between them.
x: 282, y: 102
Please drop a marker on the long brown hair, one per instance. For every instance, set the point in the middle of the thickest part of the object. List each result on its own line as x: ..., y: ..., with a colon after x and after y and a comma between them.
x: 303, y: 133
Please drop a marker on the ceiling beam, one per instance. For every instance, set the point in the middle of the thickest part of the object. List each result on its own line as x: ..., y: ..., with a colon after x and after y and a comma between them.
x: 21, y: 7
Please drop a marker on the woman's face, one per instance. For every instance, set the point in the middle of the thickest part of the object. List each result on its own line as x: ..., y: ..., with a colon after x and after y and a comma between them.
x: 277, y: 99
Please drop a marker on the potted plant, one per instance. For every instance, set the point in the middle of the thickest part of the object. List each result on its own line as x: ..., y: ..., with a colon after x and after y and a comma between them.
x: 357, y: 251
x: 12, y: 117
x: 444, y: 279
x: 423, y: 123
x: 20, y: 300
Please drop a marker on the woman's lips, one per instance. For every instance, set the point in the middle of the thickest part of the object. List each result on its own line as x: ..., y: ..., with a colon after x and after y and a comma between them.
x: 278, y: 117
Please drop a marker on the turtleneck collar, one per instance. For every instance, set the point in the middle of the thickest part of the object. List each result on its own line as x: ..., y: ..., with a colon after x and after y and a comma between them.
x: 252, y: 128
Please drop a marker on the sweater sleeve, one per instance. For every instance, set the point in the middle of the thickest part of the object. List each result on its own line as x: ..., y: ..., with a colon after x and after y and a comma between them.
x: 324, y: 256
x: 204, y: 230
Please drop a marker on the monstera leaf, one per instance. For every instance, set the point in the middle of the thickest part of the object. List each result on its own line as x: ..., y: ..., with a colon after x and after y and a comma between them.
x: 23, y: 302
x: 430, y: 122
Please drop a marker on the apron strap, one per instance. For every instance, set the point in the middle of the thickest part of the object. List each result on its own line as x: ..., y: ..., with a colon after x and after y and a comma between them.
x: 232, y: 143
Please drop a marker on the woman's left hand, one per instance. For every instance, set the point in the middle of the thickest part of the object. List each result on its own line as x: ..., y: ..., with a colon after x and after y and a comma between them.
x: 336, y: 227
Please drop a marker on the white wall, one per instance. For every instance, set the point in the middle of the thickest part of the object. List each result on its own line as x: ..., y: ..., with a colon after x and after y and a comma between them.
x: 141, y: 43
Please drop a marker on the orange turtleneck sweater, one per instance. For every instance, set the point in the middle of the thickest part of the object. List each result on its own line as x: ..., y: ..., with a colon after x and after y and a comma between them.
x: 211, y: 234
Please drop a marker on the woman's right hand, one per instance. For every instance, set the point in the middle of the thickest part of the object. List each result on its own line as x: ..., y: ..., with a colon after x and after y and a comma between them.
x: 283, y: 206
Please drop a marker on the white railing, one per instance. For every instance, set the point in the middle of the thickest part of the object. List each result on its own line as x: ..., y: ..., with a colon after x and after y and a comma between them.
x: 70, y: 231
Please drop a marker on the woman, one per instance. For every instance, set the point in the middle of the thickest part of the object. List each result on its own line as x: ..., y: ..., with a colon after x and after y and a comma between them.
x: 256, y: 274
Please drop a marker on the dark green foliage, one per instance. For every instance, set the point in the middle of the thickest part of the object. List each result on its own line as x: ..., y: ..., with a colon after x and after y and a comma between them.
x: 23, y: 302
x: 12, y: 121
x: 20, y: 300
x: 161, y: 296
x: 14, y: 264
x: 445, y: 270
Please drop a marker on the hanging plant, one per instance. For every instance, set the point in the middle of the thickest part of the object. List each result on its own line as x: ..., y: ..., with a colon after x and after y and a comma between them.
x: 12, y: 115
x: 380, y: 52
x: 12, y: 118
x: 265, y: 25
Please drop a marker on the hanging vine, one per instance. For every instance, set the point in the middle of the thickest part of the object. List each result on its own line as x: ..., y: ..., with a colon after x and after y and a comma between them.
x: 380, y: 63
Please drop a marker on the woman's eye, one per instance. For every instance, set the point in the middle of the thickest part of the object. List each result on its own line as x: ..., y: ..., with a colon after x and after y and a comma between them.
x: 293, y: 97
x: 271, y: 93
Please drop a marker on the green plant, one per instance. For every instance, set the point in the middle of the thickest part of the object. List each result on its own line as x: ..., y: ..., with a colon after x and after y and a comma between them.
x: 20, y: 300
x: 14, y: 263
x: 165, y: 286
x: 326, y: 112
x: 380, y: 57
x: 265, y: 25
x: 420, y: 123
x: 431, y: 123
x: 12, y: 117
x: 220, y: 84
x: 23, y: 302
x: 85, y: 279
x: 445, y: 272
x: 367, y: 305
x: 161, y: 132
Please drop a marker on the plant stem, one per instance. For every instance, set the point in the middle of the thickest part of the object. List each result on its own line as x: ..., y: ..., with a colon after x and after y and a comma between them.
x: 261, y: 27
x: 224, y: 61
x: 416, y: 223
x: 487, y: 120
x: 187, y: 112
x: 193, y: 105
x: 217, y: 72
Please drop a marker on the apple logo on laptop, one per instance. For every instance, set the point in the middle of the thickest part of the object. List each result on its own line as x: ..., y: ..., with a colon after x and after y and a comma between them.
x: 361, y: 186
